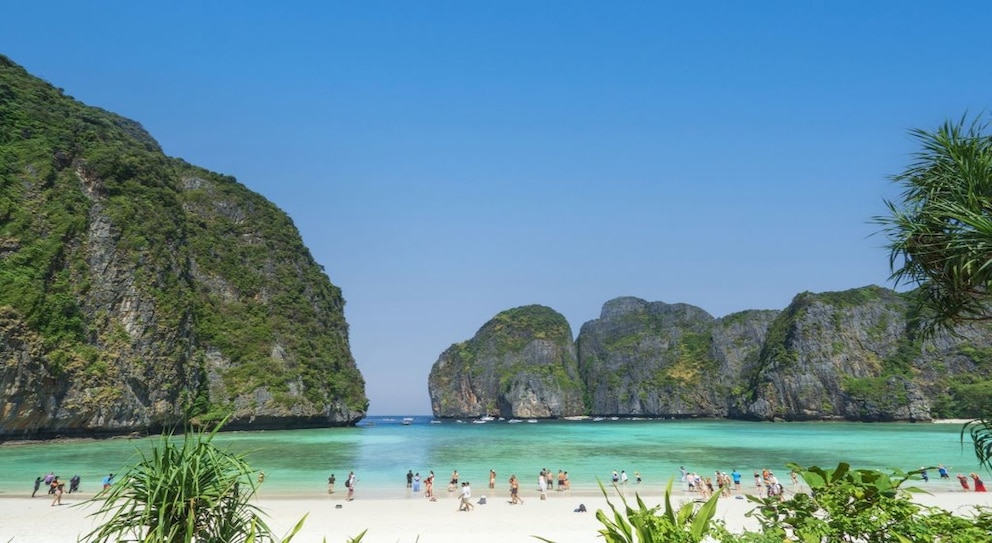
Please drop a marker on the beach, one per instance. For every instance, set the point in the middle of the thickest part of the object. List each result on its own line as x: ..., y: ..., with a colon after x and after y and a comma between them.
x: 413, y: 518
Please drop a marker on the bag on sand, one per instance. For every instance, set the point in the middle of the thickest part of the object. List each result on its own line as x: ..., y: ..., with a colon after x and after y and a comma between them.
x: 482, y: 500
x: 581, y: 508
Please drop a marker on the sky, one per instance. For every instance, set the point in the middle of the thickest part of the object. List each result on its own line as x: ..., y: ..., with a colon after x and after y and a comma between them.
x: 445, y: 161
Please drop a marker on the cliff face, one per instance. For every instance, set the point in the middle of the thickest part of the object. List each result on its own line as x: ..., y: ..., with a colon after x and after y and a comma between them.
x: 519, y: 364
x: 138, y: 291
x: 853, y: 355
x: 838, y: 355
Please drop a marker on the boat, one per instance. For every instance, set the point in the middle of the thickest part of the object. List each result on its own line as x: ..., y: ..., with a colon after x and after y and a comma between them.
x: 486, y: 418
x: 514, y: 421
x: 407, y: 421
x: 479, y: 421
x: 435, y: 421
x: 532, y: 421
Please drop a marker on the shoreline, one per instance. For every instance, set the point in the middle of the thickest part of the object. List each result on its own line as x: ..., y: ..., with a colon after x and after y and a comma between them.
x: 415, y: 519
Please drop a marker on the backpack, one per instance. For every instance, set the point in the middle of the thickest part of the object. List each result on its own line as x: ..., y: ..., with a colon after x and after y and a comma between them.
x: 347, y: 483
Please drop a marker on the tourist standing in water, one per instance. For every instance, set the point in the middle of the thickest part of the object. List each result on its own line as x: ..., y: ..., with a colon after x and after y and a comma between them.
x: 416, y: 483
x: 492, y: 478
x: 350, y: 483
x: 330, y: 484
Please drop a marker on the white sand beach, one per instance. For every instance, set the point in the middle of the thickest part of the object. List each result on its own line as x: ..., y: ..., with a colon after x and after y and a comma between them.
x: 409, y: 520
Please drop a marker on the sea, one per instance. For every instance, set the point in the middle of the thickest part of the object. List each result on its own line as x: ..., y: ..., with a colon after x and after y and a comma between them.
x: 380, y: 450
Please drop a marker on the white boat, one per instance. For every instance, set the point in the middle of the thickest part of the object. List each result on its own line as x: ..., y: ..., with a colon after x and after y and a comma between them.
x: 486, y: 418
x: 532, y: 421
x: 478, y: 421
x: 514, y: 421
x: 597, y: 419
x: 407, y: 421
x: 435, y: 421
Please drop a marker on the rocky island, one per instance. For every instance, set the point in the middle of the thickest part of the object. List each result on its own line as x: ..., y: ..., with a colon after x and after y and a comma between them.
x: 851, y: 355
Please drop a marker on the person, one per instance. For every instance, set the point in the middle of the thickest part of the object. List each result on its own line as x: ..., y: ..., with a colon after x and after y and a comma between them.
x: 330, y: 484
x: 48, y: 480
x: 615, y: 477
x: 979, y: 485
x: 429, y: 484
x: 515, y: 491
x: 74, y: 484
x: 492, y: 478
x: 924, y: 474
x: 637, y: 477
x: 261, y: 477
x: 37, y: 485
x: 542, y: 485
x: 623, y: 477
x: 409, y: 478
x: 964, y: 482
x: 453, y: 484
x: 567, y: 487
x: 416, y: 483
x: 736, y: 476
x: 350, y: 483
x: 561, y: 480
x: 943, y: 472
x: 466, y: 502
x: 59, y: 490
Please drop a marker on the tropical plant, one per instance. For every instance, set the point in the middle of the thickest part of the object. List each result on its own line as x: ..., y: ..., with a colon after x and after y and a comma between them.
x: 858, y: 505
x: 940, y: 236
x: 685, y: 524
x: 940, y: 233
x: 186, y: 489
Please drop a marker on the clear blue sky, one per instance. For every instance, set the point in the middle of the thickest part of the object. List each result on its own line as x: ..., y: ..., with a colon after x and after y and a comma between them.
x: 448, y: 160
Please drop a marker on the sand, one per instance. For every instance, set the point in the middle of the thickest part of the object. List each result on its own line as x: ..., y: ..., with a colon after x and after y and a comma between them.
x: 408, y: 520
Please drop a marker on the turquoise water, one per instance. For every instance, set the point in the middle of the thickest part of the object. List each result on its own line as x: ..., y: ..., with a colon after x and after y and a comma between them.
x: 381, y: 450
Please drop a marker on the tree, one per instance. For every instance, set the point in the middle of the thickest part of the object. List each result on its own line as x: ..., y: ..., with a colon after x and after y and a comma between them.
x: 940, y: 237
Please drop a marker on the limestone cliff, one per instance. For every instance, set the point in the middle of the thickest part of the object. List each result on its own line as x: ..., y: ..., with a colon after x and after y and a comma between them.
x: 854, y: 355
x: 837, y: 355
x: 519, y: 364
x: 138, y: 291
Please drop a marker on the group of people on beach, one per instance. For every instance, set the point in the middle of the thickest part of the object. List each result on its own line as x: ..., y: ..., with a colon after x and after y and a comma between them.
x: 56, y: 486
x: 962, y: 479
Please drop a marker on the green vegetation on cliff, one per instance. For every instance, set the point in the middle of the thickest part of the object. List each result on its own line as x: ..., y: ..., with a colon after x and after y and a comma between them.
x: 131, y: 265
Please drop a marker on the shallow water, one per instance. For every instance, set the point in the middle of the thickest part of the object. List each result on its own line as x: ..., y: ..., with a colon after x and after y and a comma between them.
x: 381, y: 450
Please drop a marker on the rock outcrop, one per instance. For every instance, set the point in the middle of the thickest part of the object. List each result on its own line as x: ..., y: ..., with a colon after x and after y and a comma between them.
x: 138, y: 291
x: 519, y: 364
x: 838, y: 355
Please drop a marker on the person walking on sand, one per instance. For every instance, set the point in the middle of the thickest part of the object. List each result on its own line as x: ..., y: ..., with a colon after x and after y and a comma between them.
x: 964, y: 482
x: 515, y: 491
x: 59, y: 490
x: 350, y: 483
x: 37, y: 485
x: 466, y: 502
x: 330, y: 484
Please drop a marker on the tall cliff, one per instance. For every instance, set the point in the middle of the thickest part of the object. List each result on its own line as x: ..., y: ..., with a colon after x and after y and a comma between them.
x: 137, y: 290
x: 519, y: 364
x: 836, y: 355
